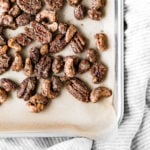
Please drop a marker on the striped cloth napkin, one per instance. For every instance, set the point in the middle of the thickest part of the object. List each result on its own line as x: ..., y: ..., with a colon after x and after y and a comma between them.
x: 134, y: 132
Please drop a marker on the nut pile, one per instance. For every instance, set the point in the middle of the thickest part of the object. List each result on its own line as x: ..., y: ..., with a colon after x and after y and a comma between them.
x: 42, y: 65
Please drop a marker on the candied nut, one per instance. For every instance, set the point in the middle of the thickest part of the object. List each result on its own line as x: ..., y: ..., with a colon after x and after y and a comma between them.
x: 46, y: 15
x: 3, y: 96
x: 44, y: 49
x: 17, y: 64
x: 14, y: 11
x: 55, y: 5
x: 56, y: 84
x: 12, y: 43
x: 80, y: 12
x: 23, y: 40
x: 28, y: 68
x: 94, y: 14
x: 53, y: 26
x: 62, y: 28
x: 4, y: 6
x: 2, y: 40
x: 74, y: 2
x: 35, y: 55
x: 78, y: 43
x: 8, y: 84
x: 98, y: 72
x: 92, y: 55
x: 70, y: 33
x: 23, y: 19
x: 63, y: 79
x: 78, y: 89
x: 42, y: 68
x: 98, y: 4
x: 84, y: 66
x: 41, y: 33
x: 98, y: 93
x: 37, y: 103
x: 3, y: 49
x: 58, y: 64
x: 57, y: 44
x: 30, y: 6
x: 47, y: 89
x: 27, y: 88
x: 29, y: 32
x: 101, y: 41
x: 4, y: 63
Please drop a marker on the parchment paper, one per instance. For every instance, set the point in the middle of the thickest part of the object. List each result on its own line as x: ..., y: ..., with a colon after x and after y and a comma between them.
x: 66, y: 115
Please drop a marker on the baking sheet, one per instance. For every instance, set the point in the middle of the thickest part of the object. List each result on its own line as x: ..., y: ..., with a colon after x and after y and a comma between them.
x: 66, y: 115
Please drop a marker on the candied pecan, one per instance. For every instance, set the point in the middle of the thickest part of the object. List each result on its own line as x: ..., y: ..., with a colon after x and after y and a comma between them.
x: 101, y: 41
x: 23, y: 40
x: 98, y: 72
x: 2, y: 40
x: 12, y: 43
x: 74, y: 2
x: 58, y: 64
x: 41, y: 33
x: 98, y: 93
x: 3, y: 49
x: 42, y: 68
x: 29, y: 32
x: 35, y: 55
x: 27, y: 88
x: 70, y: 33
x: 28, y: 68
x: 57, y: 44
x: 94, y: 14
x: 80, y: 12
x: 14, y: 11
x: 62, y: 28
x: 98, y: 4
x: 8, y: 84
x: 17, y: 64
x: 3, y: 96
x: 78, y: 43
x: 78, y: 89
x: 37, y: 103
x: 30, y: 6
x: 84, y: 66
x: 92, y: 55
x: 55, y: 5
x: 4, y: 6
x: 44, y: 49
x: 4, y: 63
x: 56, y: 84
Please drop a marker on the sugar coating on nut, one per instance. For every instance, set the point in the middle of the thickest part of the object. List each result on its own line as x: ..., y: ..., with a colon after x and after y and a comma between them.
x: 74, y: 2
x: 56, y: 84
x: 28, y: 68
x: 80, y: 12
x: 4, y: 5
x: 84, y: 66
x: 53, y: 26
x: 62, y: 28
x: 99, y: 93
x: 12, y: 43
x: 92, y: 55
x: 3, y: 96
x: 35, y: 55
x: 98, y: 4
x: 94, y: 14
x: 3, y: 49
x: 44, y: 49
x: 14, y: 11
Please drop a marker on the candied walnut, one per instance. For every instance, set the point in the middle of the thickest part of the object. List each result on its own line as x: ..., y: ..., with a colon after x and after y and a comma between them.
x: 101, y: 41
x: 98, y: 4
x: 41, y: 33
x: 28, y: 68
x: 4, y: 63
x: 47, y: 89
x: 14, y: 11
x: 27, y: 88
x: 23, y: 40
x: 44, y: 49
x: 57, y: 44
x: 62, y: 28
x: 30, y: 6
x: 98, y: 72
x: 29, y: 32
x: 2, y: 40
x: 3, y: 49
x: 35, y: 55
x: 3, y: 96
x: 37, y: 103
x: 42, y: 68
x: 46, y: 16
x: 70, y: 33
x: 78, y: 43
x: 23, y: 19
x: 94, y: 14
x: 84, y: 66
x: 53, y: 26
x: 74, y: 2
x: 56, y: 84
x: 17, y: 64
x: 92, y: 55
x: 99, y: 93
x: 78, y: 89
x: 12, y: 43
x: 8, y: 84
x: 70, y: 66
x: 58, y: 64
x: 80, y: 12
x: 55, y: 5
x: 4, y: 6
